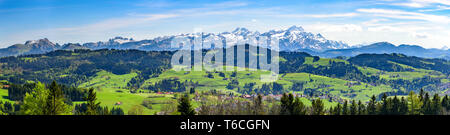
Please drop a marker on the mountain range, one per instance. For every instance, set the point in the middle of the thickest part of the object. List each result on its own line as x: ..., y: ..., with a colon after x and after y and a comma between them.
x: 294, y: 38
x: 385, y: 47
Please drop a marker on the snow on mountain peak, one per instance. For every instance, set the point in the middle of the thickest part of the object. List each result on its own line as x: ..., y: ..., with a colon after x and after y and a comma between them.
x: 241, y: 31
x: 121, y: 40
x: 45, y: 43
x: 292, y: 39
x: 29, y: 42
x: 295, y: 28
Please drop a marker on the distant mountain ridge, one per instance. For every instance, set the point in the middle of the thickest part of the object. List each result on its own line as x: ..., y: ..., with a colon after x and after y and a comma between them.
x: 385, y: 47
x: 30, y: 47
x: 291, y: 39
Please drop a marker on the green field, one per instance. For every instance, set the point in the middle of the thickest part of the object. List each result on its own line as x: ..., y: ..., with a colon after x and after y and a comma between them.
x: 218, y: 83
x: 362, y: 91
x: 111, y: 89
x: 4, y: 95
x: 321, y: 61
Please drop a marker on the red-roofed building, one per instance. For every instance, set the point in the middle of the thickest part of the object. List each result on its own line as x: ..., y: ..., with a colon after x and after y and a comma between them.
x: 247, y: 96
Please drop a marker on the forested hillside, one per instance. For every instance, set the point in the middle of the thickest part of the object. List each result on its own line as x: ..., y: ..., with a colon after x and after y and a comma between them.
x: 75, y: 67
x: 134, y: 80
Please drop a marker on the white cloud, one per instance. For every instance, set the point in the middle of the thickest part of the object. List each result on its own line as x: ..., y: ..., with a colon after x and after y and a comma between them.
x: 320, y: 15
x: 412, y: 4
x: 384, y: 29
x: 321, y: 27
x: 438, y: 8
x: 420, y: 3
x: 374, y: 22
x: 444, y: 2
x: 399, y: 14
x: 419, y: 35
x: 425, y: 34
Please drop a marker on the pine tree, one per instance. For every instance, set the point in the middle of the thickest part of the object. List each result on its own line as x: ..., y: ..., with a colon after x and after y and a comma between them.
x: 403, y: 110
x: 436, y: 104
x: 192, y: 90
x: 371, y: 108
x: 395, y: 105
x: 287, y: 101
x: 184, y: 106
x: 427, y: 107
x: 445, y: 103
x: 414, y: 104
x: 345, y: 108
x: 353, y: 108
x: 421, y: 94
x: 317, y: 107
x: 384, y: 106
x: 298, y: 107
x: 361, y: 108
x: 104, y: 111
x: 337, y: 109
x: 258, y: 108
x: 92, y: 104
x: 55, y: 101
x: 117, y: 111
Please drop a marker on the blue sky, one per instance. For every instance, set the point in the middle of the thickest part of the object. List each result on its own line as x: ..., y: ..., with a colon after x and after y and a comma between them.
x: 420, y: 22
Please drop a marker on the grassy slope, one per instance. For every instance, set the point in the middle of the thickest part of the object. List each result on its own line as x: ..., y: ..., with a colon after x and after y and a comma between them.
x: 417, y: 73
x: 322, y: 61
x: 109, y: 84
x: 4, y: 95
x: 217, y: 82
x: 111, y: 89
x: 335, y: 85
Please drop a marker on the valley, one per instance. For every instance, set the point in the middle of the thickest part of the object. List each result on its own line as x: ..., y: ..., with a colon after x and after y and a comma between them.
x: 128, y: 80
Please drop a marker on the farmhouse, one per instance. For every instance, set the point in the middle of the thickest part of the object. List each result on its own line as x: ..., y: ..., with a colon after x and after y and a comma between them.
x: 246, y: 96
x: 118, y: 103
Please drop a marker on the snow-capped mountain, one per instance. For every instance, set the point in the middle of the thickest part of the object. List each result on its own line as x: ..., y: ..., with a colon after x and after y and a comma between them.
x: 41, y: 44
x: 295, y: 38
x: 30, y: 47
x: 291, y: 39
x: 116, y: 43
x: 72, y: 46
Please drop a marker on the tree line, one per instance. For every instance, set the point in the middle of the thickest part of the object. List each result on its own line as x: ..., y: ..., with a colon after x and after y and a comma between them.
x: 413, y: 104
x: 17, y: 92
x: 51, y: 100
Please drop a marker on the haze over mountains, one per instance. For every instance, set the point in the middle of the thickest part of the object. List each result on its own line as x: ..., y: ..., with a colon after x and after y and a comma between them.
x: 291, y: 39
x: 385, y: 47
